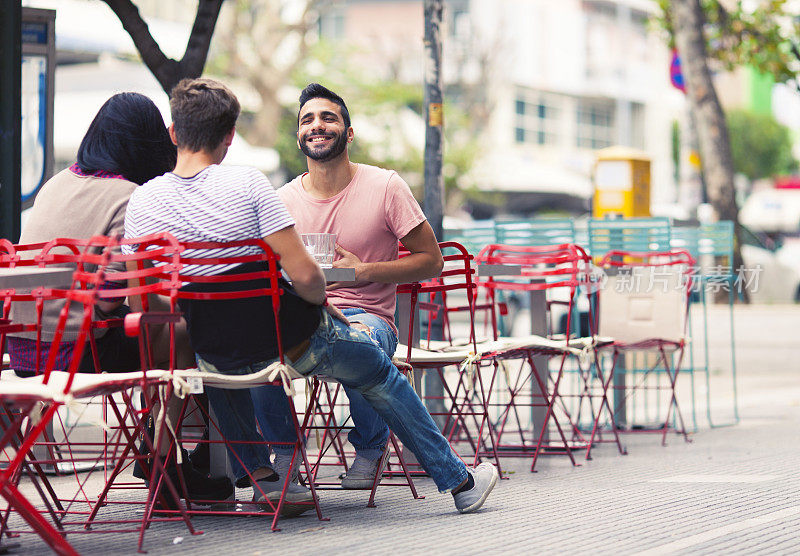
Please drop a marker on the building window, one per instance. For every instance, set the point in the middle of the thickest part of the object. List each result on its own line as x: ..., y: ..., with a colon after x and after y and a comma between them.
x: 457, y: 19
x: 637, y: 125
x: 595, y: 124
x: 331, y: 23
x: 536, y: 116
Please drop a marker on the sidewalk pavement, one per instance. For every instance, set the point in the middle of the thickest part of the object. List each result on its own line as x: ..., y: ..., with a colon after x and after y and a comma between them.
x: 732, y: 489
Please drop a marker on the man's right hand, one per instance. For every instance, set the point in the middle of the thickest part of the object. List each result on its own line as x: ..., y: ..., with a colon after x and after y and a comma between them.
x: 334, y: 311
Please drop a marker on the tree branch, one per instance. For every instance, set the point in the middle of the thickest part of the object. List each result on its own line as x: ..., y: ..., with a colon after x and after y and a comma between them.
x: 194, y: 59
x: 160, y: 66
x: 166, y: 70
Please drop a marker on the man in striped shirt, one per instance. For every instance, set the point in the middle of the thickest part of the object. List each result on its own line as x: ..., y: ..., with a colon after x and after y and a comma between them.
x: 203, y: 201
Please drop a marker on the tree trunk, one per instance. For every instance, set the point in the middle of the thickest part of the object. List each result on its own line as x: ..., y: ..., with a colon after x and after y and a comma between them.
x: 434, y: 182
x: 712, y: 130
x: 434, y: 185
x: 166, y: 70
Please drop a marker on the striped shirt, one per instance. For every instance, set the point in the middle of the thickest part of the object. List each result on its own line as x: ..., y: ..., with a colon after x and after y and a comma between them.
x: 218, y: 204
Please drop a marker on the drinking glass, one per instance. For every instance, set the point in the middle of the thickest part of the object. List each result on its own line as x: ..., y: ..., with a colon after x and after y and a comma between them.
x: 322, y: 247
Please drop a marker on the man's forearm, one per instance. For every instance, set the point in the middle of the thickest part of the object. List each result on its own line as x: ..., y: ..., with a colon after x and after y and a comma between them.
x: 412, y: 268
x: 312, y: 291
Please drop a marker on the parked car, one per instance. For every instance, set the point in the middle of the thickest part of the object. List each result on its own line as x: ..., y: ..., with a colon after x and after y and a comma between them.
x: 779, y: 276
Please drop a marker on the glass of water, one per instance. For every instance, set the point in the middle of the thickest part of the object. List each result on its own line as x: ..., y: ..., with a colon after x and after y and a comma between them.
x: 322, y: 247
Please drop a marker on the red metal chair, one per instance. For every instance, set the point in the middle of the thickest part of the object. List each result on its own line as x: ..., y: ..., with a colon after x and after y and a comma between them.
x: 194, y: 256
x: 644, y: 307
x: 90, y: 258
x: 18, y: 404
x: 463, y: 404
x: 557, y: 273
x: 327, y: 421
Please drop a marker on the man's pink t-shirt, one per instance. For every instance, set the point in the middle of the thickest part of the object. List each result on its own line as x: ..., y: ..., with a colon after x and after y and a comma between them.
x: 369, y: 216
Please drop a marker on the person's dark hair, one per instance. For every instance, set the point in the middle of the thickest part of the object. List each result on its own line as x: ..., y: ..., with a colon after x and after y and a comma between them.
x: 127, y: 137
x: 315, y: 90
x: 203, y: 112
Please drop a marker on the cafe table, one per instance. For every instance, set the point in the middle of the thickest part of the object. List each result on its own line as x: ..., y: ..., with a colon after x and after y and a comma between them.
x: 27, y: 278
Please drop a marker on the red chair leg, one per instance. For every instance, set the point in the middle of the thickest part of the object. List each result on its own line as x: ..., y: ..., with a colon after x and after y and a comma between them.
x: 47, y: 532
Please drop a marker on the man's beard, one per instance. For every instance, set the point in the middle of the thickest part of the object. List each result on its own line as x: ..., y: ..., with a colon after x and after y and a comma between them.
x: 325, y: 155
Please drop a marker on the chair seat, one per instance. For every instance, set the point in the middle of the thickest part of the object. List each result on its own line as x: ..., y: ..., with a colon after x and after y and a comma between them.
x: 23, y: 389
x: 451, y: 355
x: 651, y: 344
x: 91, y: 384
x: 219, y: 380
x: 446, y: 354
x: 86, y: 385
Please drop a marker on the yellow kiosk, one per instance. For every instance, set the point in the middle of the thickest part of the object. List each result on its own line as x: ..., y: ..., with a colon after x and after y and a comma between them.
x: 621, y: 183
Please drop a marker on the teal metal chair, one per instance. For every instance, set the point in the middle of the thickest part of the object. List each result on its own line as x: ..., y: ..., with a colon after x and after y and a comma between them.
x: 535, y: 233
x: 641, y: 235
x: 478, y: 235
x: 628, y: 234
x: 711, y: 245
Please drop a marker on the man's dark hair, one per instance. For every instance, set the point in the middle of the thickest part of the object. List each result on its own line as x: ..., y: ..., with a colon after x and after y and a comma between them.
x: 315, y: 90
x: 127, y: 137
x: 203, y: 112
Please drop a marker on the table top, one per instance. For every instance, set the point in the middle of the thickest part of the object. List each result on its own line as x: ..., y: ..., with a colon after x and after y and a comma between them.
x: 499, y: 270
x: 34, y: 276
x: 339, y: 274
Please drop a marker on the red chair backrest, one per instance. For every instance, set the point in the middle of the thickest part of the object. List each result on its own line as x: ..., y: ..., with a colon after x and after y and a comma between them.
x: 678, y: 260
x: 458, y: 275
x: 547, y: 267
x: 197, y: 258
x: 97, y: 260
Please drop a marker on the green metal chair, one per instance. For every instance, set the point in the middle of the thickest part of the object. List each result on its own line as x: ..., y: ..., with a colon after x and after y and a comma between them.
x: 535, y: 233
x: 712, y: 246
x: 640, y: 235
x: 478, y: 235
x: 628, y: 234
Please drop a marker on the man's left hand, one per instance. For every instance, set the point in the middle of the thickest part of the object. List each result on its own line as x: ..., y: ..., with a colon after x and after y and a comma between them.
x: 347, y: 260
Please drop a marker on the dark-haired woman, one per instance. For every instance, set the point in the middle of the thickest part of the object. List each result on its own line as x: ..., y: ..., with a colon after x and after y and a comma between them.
x: 126, y: 145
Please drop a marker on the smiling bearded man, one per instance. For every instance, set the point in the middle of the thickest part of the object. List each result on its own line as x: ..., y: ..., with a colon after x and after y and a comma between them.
x: 369, y: 209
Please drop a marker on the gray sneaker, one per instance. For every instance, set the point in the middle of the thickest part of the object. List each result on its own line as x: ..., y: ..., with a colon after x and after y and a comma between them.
x: 298, y: 498
x: 361, y: 474
x: 485, y: 477
x: 281, y: 465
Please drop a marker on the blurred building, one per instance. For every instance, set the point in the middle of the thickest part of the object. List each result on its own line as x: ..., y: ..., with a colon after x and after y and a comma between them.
x: 553, y: 80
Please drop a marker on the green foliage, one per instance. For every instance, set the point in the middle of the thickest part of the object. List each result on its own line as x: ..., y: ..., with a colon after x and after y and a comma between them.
x: 758, y: 34
x: 761, y: 147
x: 293, y: 161
x: 676, y: 150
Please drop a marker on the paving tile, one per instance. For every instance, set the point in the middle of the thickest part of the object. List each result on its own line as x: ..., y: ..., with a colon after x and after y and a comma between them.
x: 645, y: 502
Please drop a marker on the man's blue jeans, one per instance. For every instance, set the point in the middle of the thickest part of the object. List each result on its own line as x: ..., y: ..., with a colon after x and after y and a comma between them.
x: 352, y: 358
x: 369, y: 434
